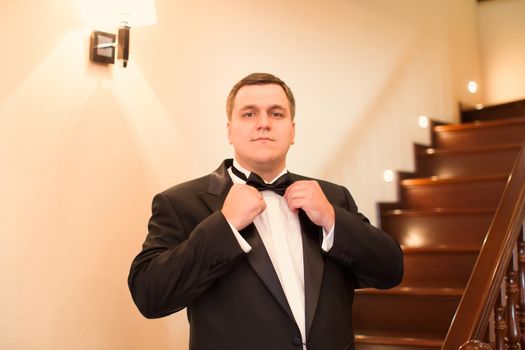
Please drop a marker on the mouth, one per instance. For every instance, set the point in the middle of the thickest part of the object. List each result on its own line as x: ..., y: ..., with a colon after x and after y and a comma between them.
x: 263, y: 138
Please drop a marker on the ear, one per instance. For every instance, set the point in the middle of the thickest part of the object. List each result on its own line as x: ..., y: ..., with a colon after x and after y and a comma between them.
x: 229, y: 129
x: 293, y: 133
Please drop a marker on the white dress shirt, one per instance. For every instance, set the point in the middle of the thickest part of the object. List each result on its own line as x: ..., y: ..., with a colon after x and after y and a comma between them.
x: 280, y: 231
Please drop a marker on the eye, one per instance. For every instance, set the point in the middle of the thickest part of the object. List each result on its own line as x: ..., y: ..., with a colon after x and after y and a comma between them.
x: 277, y: 114
x: 248, y: 115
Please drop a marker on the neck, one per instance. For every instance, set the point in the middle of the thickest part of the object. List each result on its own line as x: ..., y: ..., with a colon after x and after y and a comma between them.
x: 267, y: 171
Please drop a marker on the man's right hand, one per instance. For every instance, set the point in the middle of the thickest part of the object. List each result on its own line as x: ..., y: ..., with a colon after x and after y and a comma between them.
x: 242, y: 204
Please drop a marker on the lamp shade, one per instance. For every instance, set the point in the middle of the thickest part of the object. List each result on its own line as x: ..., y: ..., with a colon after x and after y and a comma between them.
x: 137, y: 12
x: 111, y: 13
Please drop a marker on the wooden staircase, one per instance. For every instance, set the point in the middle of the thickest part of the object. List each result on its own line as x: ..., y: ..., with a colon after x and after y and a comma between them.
x: 441, y: 220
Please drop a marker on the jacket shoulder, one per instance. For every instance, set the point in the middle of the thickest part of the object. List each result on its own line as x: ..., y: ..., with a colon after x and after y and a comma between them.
x: 188, y: 188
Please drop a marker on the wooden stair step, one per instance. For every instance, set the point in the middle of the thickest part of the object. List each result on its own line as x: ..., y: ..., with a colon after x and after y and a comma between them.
x: 436, y: 212
x: 477, y: 124
x: 456, y: 192
x: 408, y: 311
x: 437, y: 180
x: 396, y: 342
x: 513, y: 109
x: 471, y: 161
x: 483, y: 133
x: 434, y: 151
x: 442, y: 249
x: 414, y: 291
x: 444, y: 265
x: 420, y: 228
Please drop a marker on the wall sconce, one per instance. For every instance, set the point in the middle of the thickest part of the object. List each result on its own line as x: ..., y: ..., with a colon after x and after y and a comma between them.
x: 102, y: 47
x: 129, y: 13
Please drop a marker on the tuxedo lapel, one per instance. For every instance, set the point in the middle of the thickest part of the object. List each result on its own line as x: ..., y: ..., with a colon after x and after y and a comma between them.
x: 258, y: 258
x: 313, y: 264
x: 260, y: 262
x: 218, y: 187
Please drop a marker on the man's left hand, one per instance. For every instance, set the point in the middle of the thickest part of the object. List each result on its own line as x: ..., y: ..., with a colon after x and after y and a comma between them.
x: 308, y: 196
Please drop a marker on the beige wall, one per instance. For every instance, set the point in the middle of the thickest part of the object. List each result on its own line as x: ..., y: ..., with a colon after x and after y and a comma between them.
x: 502, y: 44
x: 83, y: 148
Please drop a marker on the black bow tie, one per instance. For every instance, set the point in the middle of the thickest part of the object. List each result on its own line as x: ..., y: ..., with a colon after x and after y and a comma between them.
x: 279, y: 186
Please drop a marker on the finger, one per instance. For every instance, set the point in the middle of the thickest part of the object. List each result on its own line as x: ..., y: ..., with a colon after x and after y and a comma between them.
x: 261, y: 207
x: 296, y: 194
x: 295, y: 191
x: 297, y: 184
x: 292, y: 208
x: 253, y: 191
x: 295, y: 204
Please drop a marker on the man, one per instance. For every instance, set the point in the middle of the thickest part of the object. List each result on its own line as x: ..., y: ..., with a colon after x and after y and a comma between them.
x: 258, y: 269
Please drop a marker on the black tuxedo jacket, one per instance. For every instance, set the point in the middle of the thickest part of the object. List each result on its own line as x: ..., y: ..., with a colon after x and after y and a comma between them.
x: 234, y: 300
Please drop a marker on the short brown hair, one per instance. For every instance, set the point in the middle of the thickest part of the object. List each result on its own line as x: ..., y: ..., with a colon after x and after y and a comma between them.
x: 259, y: 79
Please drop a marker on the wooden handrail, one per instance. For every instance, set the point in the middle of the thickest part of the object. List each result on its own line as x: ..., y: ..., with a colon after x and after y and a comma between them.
x: 475, y: 308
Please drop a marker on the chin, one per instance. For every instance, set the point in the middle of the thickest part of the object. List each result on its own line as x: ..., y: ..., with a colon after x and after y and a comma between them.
x: 261, y: 160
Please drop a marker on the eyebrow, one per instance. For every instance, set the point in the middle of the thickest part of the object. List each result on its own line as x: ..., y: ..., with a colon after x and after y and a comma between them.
x: 255, y: 107
x: 276, y: 106
x: 248, y: 107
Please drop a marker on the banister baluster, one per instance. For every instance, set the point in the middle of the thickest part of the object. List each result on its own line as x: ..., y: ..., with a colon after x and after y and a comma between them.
x: 475, y: 345
x: 513, y: 331
x: 499, y: 324
x: 521, y: 291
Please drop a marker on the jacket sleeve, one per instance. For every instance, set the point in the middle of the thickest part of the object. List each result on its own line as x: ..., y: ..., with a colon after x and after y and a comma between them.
x: 373, y: 256
x: 176, y: 266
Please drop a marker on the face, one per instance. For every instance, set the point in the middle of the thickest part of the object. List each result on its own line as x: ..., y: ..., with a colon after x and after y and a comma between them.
x: 261, y: 129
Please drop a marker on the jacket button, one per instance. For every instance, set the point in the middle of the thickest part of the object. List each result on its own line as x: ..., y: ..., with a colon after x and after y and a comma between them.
x: 297, y: 341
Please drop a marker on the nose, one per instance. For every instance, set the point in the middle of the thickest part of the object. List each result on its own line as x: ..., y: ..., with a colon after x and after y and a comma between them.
x: 263, y: 122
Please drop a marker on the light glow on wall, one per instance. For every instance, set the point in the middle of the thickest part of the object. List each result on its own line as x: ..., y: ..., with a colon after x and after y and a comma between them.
x: 423, y: 122
x: 472, y: 87
x: 388, y: 175
x: 414, y: 239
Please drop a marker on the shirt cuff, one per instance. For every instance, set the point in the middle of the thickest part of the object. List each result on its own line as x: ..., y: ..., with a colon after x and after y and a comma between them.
x: 328, y: 239
x: 242, y: 242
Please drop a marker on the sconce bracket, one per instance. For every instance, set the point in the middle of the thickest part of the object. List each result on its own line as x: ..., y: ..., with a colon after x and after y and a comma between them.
x: 102, y: 47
